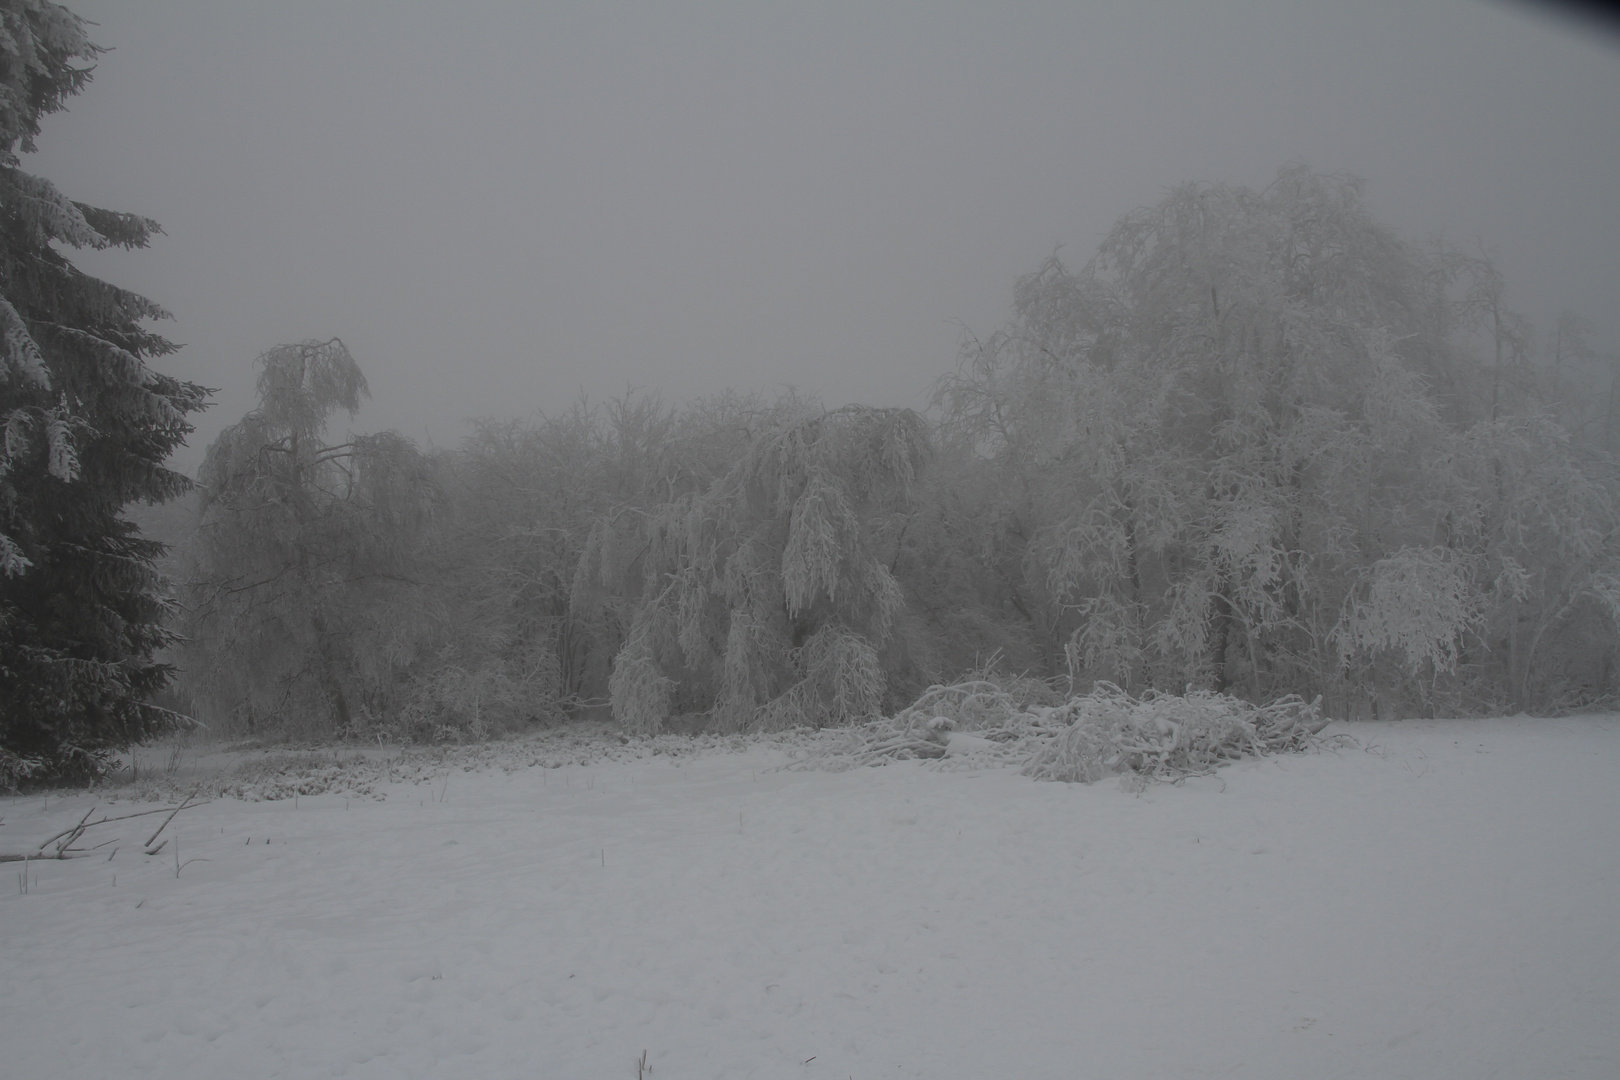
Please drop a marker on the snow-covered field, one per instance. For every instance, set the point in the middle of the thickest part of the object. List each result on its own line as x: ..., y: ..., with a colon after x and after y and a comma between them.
x: 1441, y: 901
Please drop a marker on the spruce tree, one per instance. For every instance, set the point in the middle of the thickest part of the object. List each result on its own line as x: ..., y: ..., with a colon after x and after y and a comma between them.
x: 85, y: 427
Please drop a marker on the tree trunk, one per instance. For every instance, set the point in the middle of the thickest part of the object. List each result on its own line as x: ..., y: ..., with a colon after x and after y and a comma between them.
x: 1222, y: 623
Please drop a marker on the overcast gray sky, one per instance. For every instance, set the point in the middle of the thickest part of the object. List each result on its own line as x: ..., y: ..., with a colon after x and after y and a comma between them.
x: 500, y: 205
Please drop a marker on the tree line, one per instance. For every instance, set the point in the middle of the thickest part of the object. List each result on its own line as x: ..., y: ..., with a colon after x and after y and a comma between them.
x: 1259, y: 443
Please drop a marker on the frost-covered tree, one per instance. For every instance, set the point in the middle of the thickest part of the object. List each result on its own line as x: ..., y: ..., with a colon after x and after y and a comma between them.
x: 85, y: 427
x: 1537, y: 519
x: 303, y: 606
x: 766, y: 596
x: 1260, y: 443
x: 520, y: 497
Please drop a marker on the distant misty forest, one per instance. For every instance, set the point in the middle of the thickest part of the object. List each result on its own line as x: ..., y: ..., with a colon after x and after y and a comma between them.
x: 1258, y: 444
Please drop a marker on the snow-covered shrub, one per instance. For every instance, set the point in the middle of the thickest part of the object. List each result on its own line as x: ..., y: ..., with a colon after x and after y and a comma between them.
x: 640, y: 691
x: 842, y: 683
x: 1167, y: 736
x: 461, y: 703
x: 984, y: 703
x: 1082, y: 739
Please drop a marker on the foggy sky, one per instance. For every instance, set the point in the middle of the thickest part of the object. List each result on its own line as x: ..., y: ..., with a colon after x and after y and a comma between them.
x: 501, y: 205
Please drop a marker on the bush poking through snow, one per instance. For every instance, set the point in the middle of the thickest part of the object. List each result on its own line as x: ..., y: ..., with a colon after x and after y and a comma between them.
x: 1024, y: 722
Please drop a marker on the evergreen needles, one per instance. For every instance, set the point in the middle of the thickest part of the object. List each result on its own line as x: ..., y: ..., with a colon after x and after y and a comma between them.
x: 85, y: 426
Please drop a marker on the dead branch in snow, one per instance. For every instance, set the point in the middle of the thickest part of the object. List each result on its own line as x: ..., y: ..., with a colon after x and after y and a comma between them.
x: 183, y: 803
x: 65, y: 839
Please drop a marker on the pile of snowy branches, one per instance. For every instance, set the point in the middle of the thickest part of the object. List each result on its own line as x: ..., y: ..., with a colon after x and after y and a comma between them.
x: 1024, y: 722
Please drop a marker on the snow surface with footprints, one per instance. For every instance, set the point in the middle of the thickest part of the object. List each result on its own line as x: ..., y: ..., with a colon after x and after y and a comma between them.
x: 1439, y: 900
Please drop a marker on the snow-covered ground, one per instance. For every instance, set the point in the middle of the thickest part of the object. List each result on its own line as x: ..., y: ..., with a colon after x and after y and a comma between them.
x: 1442, y: 903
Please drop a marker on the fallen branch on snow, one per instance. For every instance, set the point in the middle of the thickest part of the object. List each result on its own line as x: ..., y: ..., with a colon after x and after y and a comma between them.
x: 65, y: 839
